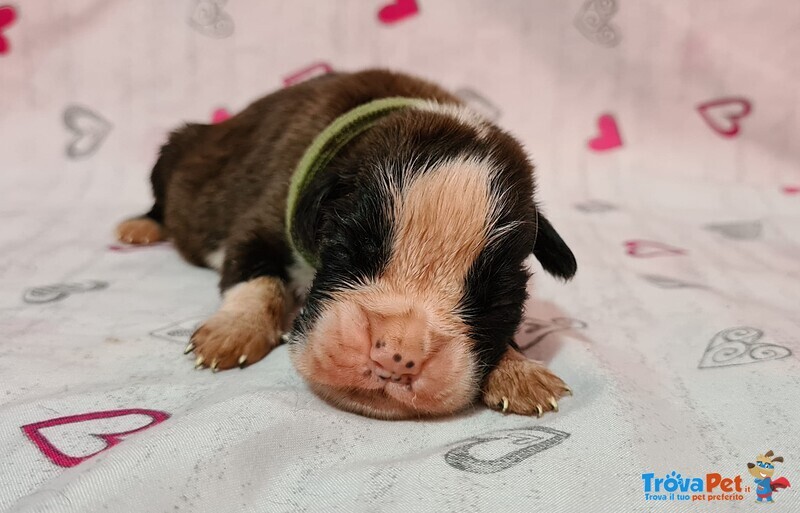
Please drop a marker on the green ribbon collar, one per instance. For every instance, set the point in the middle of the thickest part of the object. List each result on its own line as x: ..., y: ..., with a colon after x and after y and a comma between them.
x: 324, y: 148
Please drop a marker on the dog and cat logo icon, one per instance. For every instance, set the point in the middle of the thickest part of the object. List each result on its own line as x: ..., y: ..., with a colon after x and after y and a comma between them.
x: 763, y: 470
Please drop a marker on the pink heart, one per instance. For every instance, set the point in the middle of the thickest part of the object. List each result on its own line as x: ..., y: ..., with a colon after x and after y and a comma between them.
x: 396, y: 11
x: 318, y: 68
x: 723, y: 115
x: 34, y: 432
x: 609, y: 134
x: 791, y: 189
x: 649, y: 249
x: 7, y: 16
x: 220, y: 115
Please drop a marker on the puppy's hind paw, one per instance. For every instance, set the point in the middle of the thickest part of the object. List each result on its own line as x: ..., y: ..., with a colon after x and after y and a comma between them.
x: 140, y: 230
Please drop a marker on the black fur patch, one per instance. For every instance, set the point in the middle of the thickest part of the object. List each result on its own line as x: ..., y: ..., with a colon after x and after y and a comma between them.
x: 353, y: 239
x: 495, y: 289
x: 254, y: 255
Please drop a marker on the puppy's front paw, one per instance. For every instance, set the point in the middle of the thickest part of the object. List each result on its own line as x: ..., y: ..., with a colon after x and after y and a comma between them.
x: 230, y: 339
x: 522, y: 386
x: 247, y: 326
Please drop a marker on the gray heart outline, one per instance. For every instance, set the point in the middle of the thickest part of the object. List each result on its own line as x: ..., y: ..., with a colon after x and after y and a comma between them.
x: 58, y: 291
x: 665, y: 282
x: 180, y: 331
x: 540, y: 329
x: 531, y: 439
x: 742, y: 230
x: 740, y: 346
x: 210, y: 19
x: 90, y: 130
x: 593, y: 21
x: 595, y: 206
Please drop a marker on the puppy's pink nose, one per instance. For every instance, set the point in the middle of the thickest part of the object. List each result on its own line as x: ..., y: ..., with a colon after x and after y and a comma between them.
x: 395, y: 360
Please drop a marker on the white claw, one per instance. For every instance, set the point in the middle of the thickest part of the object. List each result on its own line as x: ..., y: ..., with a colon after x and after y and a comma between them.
x: 539, y: 410
x: 189, y: 348
x: 198, y: 363
x: 242, y: 360
x: 505, y: 404
x: 553, y: 403
x: 214, y: 365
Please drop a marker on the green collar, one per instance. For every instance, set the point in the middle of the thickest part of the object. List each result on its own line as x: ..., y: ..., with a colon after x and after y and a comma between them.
x: 324, y: 148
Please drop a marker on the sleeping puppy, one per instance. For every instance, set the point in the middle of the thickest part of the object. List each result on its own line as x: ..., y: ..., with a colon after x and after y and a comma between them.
x: 391, y: 216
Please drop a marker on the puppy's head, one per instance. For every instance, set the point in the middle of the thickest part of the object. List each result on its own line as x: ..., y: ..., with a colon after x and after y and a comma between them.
x: 422, y: 282
x: 764, y: 465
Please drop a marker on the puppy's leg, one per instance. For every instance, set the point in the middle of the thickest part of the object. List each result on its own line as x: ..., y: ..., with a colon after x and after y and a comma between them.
x: 247, y: 326
x: 255, y: 303
x: 523, y: 386
x: 149, y: 228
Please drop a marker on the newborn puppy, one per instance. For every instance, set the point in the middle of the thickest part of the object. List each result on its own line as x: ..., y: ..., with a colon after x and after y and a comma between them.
x: 394, y: 218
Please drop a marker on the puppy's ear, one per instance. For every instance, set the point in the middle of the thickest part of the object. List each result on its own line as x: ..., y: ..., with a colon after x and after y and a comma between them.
x: 552, y: 252
x: 777, y: 458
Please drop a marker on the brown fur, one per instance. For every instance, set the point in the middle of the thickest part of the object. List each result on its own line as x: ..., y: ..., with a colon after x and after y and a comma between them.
x: 139, y: 230
x: 232, y: 177
x: 528, y: 386
x: 249, y: 324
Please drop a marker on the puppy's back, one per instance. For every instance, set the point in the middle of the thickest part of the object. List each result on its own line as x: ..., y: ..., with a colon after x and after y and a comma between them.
x: 212, y: 175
